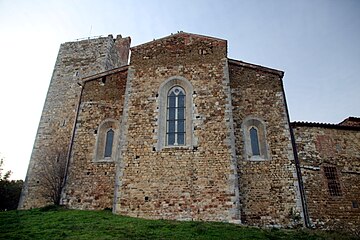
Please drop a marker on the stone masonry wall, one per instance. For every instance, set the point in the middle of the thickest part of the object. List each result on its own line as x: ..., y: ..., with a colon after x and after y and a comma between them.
x: 90, y: 184
x: 212, y: 177
x: 75, y: 61
x: 320, y: 147
x: 268, y: 188
x: 192, y: 182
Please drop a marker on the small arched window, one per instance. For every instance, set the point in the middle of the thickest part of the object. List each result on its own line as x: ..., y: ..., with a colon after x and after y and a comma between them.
x: 175, y: 121
x: 106, y: 140
x: 255, y: 144
x: 109, y: 143
x: 254, y: 140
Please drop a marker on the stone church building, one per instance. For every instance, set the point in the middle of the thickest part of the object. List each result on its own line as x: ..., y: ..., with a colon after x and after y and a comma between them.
x: 180, y: 131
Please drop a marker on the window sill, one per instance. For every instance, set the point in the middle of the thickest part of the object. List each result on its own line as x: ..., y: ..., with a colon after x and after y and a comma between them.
x: 257, y: 158
x: 103, y: 161
x: 178, y: 147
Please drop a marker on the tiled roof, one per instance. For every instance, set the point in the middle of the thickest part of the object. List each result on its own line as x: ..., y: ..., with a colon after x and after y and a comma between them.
x: 329, y: 125
x: 351, y: 121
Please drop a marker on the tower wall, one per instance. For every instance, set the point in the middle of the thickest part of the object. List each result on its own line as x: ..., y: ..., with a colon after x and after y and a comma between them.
x: 75, y: 60
x: 91, y: 178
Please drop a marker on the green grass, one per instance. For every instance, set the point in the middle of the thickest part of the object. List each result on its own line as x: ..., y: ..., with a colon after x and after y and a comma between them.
x: 56, y: 223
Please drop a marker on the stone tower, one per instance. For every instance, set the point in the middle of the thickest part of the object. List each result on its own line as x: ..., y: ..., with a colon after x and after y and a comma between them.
x: 75, y: 61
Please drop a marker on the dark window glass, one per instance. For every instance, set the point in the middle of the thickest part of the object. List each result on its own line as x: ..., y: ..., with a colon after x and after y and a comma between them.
x: 171, y: 138
x: 172, y: 113
x: 172, y: 101
x: 109, y: 143
x: 181, y: 138
x: 254, y: 141
x: 181, y: 126
x: 171, y: 126
x: 181, y: 113
x: 181, y: 101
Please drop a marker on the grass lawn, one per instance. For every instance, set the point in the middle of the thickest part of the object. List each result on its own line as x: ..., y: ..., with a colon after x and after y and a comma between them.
x: 57, y: 223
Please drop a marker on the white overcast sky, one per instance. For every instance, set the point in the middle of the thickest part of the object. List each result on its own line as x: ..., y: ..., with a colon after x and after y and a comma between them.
x: 316, y: 43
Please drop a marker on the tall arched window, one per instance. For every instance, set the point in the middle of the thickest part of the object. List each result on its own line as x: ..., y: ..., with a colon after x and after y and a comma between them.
x: 109, y: 143
x: 175, y: 121
x: 175, y: 114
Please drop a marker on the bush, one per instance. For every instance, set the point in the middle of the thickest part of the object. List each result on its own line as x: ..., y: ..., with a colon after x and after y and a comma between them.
x: 52, y: 207
x: 10, y: 194
x: 9, y: 190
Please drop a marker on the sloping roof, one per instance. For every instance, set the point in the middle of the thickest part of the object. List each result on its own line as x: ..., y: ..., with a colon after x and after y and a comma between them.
x: 185, y: 34
x: 254, y: 66
x: 326, y: 125
x: 351, y: 121
x: 179, y: 34
x: 105, y: 73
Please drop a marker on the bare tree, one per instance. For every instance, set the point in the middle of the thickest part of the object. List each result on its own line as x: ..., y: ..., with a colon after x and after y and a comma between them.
x: 7, y: 174
x: 52, y: 172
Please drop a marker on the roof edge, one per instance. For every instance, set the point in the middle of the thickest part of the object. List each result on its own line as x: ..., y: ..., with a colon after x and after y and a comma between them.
x: 351, y: 119
x: 103, y: 74
x: 173, y: 35
x: 255, y: 66
x: 324, y: 125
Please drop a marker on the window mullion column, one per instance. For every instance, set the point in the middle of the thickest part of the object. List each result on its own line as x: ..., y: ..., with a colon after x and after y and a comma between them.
x: 176, y: 119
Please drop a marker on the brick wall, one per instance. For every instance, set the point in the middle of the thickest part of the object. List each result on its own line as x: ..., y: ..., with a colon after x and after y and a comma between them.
x: 268, y: 188
x: 90, y: 184
x: 193, y: 182
x: 212, y: 177
x: 321, y: 147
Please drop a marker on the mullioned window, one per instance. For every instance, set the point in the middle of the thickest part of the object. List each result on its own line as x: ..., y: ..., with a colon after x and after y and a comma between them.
x: 175, y: 122
x: 175, y: 114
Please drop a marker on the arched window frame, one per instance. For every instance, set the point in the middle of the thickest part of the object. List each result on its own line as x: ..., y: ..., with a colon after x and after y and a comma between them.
x: 176, y: 117
x: 101, y: 141
x: 165, y: 87
x: 258, y: 124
